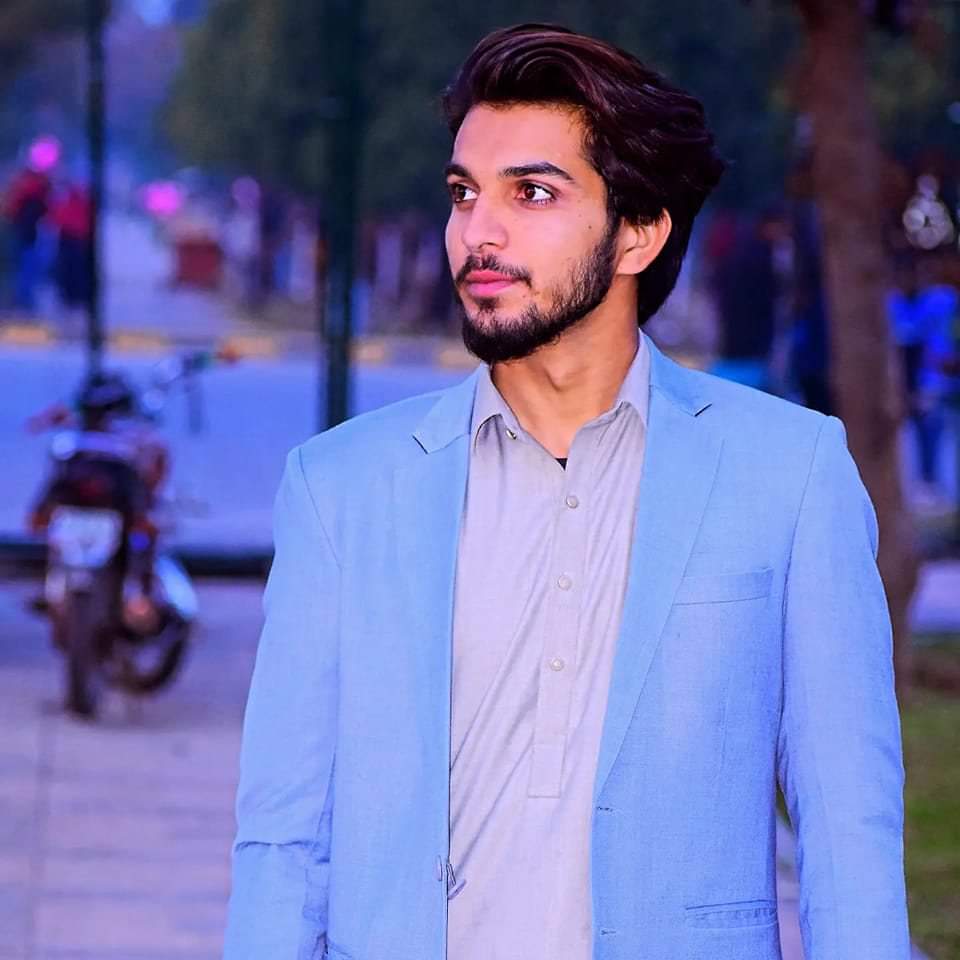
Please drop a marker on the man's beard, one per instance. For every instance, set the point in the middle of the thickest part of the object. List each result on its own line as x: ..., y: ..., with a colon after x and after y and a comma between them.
x: 519, y: 337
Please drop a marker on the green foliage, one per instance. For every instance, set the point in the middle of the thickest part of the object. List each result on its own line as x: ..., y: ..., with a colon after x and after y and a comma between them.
x: 914, y: 81
x: 24, y: 22
x: 24, y: 27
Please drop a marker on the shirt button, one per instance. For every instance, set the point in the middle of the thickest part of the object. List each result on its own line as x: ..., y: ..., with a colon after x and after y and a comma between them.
x: 557, y: 664
x: 511, y: 434
x: 572, y: 502
x: 564, y: 582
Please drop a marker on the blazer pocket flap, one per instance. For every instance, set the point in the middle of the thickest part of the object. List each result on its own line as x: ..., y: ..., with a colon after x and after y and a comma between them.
x: 744, y: 913
x: 726, y: 587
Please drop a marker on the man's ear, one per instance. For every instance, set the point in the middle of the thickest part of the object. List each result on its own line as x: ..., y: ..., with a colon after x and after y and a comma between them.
x: 641, y: 243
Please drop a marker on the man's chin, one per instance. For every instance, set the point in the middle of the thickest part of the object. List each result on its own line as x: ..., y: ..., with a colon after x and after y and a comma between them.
x: 491, y: 319
x: 501, y: 339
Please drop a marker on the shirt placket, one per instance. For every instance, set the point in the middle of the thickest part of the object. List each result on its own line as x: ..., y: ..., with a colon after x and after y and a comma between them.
x: 558, y: 657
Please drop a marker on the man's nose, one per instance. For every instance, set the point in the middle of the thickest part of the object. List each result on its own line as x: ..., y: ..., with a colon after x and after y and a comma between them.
x: 483, y: 227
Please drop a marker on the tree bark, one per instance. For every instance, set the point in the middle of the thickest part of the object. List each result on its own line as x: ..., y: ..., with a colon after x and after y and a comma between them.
x: 864, y: 372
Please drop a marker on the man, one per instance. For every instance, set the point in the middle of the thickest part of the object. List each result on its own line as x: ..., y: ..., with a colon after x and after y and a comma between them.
x: 538, y: 648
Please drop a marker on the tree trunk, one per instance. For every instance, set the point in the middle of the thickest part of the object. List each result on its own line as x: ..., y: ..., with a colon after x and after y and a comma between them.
x: 865, y: 376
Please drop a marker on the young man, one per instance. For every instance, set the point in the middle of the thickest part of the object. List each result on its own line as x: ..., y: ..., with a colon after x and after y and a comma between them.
x: 538, y: 648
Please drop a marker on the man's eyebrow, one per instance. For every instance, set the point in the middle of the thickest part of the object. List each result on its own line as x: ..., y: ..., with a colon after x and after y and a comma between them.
x: 456, y: 170
x: 539, y: 168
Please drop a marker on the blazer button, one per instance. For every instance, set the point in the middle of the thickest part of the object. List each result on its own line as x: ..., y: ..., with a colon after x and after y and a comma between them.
x: 440, y: 869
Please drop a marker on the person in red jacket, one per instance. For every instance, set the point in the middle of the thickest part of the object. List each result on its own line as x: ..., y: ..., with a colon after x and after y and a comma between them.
x: 72, y: 216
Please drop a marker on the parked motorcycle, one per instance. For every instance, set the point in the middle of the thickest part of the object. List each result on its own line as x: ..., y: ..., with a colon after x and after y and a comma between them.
x: 121, y: 609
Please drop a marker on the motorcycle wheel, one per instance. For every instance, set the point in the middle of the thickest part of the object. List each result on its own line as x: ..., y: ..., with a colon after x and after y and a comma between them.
x: 79, y: 633
x: 141, y: 678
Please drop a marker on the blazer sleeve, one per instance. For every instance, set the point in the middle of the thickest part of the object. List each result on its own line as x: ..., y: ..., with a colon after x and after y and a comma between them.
x: 839, y: 753
x: 278, y: 903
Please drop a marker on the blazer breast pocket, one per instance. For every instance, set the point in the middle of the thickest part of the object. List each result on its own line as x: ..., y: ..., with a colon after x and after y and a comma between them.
x: 724, y: 587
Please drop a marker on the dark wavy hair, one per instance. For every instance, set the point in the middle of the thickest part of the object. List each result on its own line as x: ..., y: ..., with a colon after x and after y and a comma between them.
x: 647, y: 139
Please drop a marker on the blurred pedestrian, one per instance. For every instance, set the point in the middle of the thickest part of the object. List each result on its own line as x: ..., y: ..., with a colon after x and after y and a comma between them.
x: 810, y: 335
x: 922, y: 314
x: 951, y: 371
x: 240, y: 239
x: 71, y: 215
x: 745, y: 290
x: 273, y: 232
x: 8, y: 262
x: 25, y: 205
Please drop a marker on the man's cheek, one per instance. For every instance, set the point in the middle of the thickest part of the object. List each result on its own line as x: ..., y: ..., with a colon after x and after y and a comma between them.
x: 454, y: 254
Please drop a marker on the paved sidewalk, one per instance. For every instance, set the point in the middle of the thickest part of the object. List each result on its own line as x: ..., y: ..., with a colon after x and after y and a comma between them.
x: 115, y: 838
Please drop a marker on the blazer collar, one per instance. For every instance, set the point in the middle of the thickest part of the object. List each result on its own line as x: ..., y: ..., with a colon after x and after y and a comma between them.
x: 451, y: 414
x: 682, y: 387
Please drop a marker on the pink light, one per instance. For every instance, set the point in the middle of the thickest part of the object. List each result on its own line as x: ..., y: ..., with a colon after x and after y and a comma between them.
x: 162, y: 198
x: 44, y: 154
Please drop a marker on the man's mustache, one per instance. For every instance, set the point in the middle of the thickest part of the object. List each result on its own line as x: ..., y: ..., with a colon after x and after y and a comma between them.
x: 490, y: 262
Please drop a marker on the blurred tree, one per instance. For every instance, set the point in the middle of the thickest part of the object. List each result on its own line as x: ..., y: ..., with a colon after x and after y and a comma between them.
x: 913, y: 81
x: 42, y: 64
x: 24, y: 22
x: 250, y: 96
x: 846, y: 166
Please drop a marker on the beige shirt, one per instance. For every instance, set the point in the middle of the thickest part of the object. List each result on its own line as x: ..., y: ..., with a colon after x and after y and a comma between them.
x: 541, y: 575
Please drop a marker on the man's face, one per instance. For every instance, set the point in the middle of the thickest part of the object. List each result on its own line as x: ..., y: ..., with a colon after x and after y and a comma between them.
x: 529, y: 240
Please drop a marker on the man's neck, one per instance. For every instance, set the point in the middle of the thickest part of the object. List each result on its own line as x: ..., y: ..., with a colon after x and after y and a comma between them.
x: 566, y: 384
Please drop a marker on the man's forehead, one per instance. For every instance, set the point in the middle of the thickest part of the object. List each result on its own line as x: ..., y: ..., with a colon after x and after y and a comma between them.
x: 498, y: 136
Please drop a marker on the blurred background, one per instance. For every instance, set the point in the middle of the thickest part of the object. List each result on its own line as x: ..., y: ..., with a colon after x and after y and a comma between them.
x: 221, y: 231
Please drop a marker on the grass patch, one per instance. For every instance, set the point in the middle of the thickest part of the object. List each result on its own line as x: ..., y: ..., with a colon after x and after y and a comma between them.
x: 931, y: 732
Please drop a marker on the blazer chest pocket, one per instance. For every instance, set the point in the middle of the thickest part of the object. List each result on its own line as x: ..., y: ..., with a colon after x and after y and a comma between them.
x: 724, y: 588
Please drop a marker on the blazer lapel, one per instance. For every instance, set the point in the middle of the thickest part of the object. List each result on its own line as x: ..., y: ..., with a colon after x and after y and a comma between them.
x: 429, y: 496
x: 680, y: 464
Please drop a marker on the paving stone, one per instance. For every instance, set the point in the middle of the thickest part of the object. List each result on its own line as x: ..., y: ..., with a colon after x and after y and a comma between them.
x: 134, y: 877
x: 14, y: 918
x: 103, y: 923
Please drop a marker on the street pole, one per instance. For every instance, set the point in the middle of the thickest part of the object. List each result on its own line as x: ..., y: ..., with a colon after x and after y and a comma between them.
x: 96, y: 136
x: 343, y: 25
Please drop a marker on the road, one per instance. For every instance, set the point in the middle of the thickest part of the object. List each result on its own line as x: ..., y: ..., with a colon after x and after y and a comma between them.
x: 224, y: 477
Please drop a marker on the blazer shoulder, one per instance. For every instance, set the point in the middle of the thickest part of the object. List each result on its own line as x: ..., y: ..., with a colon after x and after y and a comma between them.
x: 371, y: 441
x: 758, y: 417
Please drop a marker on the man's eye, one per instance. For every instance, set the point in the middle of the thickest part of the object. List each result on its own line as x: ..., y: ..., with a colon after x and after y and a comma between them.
x: 534, y: 193
x: 460, y: 192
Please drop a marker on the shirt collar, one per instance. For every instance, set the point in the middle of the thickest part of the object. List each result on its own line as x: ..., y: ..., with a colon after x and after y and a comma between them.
x: 635, y: 390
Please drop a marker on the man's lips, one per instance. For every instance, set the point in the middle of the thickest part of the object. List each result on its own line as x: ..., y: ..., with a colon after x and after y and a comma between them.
x: 487, y: 283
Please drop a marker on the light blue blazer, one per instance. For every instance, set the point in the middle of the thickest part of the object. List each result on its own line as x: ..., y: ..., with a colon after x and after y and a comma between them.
x: 755, y: 649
